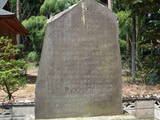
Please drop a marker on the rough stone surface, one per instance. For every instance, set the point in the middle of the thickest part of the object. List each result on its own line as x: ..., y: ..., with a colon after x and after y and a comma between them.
x: 80, y: 68
x: 145, y: 109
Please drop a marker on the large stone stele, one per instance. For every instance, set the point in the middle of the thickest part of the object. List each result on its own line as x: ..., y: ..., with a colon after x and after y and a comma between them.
x: 80, y: 68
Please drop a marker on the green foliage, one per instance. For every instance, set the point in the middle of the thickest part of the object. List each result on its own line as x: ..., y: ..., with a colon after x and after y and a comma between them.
x: 7, y: 49
x: 124, y: 23
x: 36, y: 27
x: 152, y: 78
x: 28, y: 7
x: 147, y: 27
x: 12, y: 70
x: 33, y: 57
x: 55, y: 6
x: 148, y: 64
x: 124, y: 31
x: 13, y: 5
x: 148, y: 45
x: 123, y: 45
x: 142, y: 7
x: 47, y: 7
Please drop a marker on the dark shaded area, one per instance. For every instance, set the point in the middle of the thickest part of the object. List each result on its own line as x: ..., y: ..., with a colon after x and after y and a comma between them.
x: 104, y: 1
x: 7, y: 6
x: 31, y: 79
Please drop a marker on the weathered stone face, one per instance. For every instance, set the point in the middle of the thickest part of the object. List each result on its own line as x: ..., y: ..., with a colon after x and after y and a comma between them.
x: 80, y: 69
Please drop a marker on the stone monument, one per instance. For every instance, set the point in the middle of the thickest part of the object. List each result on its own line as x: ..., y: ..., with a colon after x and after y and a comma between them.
x: 80, y: 67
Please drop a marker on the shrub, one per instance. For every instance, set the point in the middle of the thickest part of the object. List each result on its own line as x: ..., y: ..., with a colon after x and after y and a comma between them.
x: 123, y: 45
x: 55, y: 6
x: 12, y: 70
x: 36, y: 27
x: 33, y: 57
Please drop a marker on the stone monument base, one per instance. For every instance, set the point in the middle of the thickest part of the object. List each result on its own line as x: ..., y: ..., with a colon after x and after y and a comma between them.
x: 117, y: 117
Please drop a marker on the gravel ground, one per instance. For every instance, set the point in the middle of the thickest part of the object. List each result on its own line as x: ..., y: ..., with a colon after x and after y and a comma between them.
x: 129, y: 90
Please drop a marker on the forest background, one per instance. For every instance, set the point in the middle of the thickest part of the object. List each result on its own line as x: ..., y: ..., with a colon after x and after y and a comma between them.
x: 139, y: 33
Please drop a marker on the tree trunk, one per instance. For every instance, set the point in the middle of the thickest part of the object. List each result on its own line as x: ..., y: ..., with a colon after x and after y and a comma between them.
x: 133, y: 45
x: 110, y: 4
x: 8, y: 90
x: 127, y: 45
x: 18, y: 17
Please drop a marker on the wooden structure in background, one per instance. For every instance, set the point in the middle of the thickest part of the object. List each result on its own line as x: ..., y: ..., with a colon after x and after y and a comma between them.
x: 9, y: 25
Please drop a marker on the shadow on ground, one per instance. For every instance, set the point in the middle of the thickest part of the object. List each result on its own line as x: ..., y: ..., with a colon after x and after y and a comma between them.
x: 31, y: 79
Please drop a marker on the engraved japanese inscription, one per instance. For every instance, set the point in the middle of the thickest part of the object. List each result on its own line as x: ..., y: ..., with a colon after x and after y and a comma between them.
x: 80, y: 69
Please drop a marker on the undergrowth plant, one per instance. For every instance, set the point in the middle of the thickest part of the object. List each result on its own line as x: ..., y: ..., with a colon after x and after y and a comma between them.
x: 12, y: 68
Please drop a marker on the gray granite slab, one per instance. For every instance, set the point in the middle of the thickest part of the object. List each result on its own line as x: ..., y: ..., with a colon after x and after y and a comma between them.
x: 80, y: 68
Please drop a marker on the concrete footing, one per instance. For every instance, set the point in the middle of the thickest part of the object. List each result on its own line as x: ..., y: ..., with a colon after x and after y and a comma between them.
x: 118, y: 117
